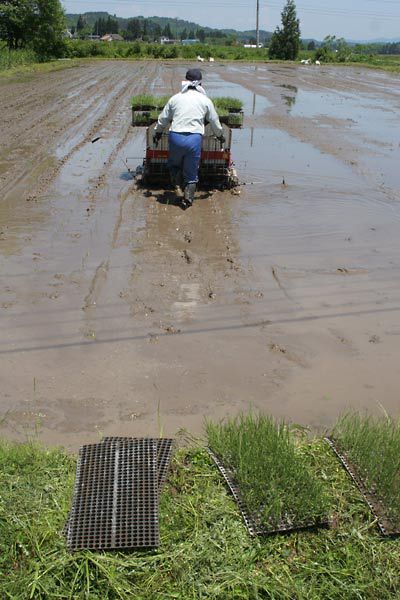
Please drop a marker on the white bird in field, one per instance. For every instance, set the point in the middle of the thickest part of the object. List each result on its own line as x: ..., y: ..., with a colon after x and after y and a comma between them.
x: 211, y: 59
x: 317, y: 62
x: 200, y: 59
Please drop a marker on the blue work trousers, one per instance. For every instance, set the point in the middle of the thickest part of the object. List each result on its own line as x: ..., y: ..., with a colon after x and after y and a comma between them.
x: 184, y: 155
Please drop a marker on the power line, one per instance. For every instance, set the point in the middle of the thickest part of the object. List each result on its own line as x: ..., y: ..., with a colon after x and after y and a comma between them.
x: 219, y: 4
x: 307, y: 9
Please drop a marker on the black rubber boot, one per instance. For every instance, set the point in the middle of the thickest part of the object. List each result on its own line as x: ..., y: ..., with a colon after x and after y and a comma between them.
x: 177, y: 182
x: 190, y: 189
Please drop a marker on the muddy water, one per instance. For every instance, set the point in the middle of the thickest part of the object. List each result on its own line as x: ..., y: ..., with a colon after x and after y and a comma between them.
x: 122, y: 314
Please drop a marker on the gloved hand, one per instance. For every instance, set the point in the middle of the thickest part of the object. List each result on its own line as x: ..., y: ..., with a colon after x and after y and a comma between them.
x: 157, y: 137
x: 221, y: 139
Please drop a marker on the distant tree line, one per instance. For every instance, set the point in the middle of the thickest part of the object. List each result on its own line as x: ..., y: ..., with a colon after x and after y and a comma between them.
x: 393, y: 48
x: 142, y: 29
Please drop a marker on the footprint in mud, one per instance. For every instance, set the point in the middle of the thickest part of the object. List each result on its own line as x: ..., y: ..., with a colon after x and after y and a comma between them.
x: 232, y: 263
x: 6, y: 304
x: 187, y: 256
x: 171, y: 329
x: 141, y: 308
x: 344, y: 341
x: 290, y: 356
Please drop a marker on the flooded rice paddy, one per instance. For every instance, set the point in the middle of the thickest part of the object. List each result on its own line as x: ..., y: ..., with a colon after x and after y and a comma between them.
x: 122, y: 314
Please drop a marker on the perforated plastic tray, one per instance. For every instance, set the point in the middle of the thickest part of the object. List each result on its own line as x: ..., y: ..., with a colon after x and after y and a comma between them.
x: 164, y: 453
x: 115, y: 502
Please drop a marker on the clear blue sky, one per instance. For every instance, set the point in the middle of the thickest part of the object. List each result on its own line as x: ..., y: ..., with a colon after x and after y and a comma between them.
x: 351, y: 19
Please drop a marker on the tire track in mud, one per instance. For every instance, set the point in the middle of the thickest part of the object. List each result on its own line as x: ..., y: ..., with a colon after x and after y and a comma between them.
x: 100, y: 276
x: 56, y: 109
x: 117, y: 93
x: 39, y: 125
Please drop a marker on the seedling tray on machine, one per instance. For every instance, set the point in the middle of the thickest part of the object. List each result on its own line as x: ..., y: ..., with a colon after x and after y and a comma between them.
x: 252, y: 521
x: 385, y: 525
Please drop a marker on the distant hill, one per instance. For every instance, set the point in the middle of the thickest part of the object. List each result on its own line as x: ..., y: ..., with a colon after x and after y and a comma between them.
x: 376, y: 41
x: 177, y: 25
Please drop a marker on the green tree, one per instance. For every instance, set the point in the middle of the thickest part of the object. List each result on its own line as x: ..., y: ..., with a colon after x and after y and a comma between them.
x: 167, y: 31
x: 36, y: 23
x: 111, y: 25
x: 15, y: 21
x: 201, y: 35
x: 328, y: 50
x: 133, y: 29
x: 285, y: 41
x: 81, y: 23
x: 311, y: 45
x: 50, y: 26
x: 100, y: 27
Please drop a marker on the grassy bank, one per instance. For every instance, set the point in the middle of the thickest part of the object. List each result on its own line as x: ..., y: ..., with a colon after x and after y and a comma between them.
x: 20, y: 62
x: 205, y: 551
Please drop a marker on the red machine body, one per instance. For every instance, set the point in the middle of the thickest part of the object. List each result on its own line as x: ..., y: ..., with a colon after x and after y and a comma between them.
x: 216, y: 167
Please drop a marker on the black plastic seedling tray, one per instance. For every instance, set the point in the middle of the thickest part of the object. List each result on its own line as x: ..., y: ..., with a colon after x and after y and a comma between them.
x: 116, y: 495
x: 164, y: 453
x: 252, y: 522
x: 385, y: 525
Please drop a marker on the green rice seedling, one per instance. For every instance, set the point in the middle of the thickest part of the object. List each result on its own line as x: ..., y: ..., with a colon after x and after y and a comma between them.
x: 144, y: 117
x: 162, y: 101
x: 235, y: 119
x: 274, y: 477
x: 228, y: 103
x: 140, y: 117
x: 144, y: 102
x: 373, y: 445
x: 223, y: 115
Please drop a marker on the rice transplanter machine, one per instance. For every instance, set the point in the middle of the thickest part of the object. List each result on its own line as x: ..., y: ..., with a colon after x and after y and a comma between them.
x: 216, y: 168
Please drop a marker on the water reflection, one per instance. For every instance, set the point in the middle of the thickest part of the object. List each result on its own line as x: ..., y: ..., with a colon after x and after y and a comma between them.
x: 289, y: 100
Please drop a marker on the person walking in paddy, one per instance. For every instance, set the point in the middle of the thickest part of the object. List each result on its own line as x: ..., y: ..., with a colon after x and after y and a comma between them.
x: 185, y: 115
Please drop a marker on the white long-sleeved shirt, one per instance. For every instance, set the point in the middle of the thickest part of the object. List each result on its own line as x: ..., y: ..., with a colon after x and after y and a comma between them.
x: 186, y: 112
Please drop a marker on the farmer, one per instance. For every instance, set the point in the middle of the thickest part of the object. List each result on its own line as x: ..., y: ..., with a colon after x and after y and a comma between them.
x: 185, y: 114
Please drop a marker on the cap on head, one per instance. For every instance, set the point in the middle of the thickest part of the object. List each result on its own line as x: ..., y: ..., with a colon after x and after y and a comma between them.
x: 193, y: 75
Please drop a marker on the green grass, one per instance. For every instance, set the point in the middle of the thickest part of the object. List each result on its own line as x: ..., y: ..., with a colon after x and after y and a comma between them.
x: 15, y: 58
x: 272, y: 471
x: 22, y: 63
x: 205, y: 551
x: 373, y: 445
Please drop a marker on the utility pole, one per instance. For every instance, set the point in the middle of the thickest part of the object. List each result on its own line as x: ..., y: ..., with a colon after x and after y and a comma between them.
x: 257, y: 24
